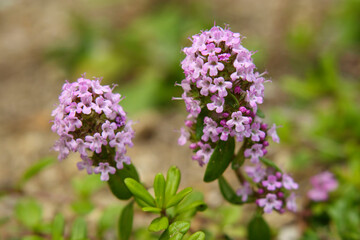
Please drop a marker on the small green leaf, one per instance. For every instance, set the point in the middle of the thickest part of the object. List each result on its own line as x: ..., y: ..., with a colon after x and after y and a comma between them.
x: 178, y: 197
x: 260, y: 114
x: 159, y: 189
x: 178, y: 227
x: 57, y: 228
x: 29, y: 213
x: 197, y: 236
x: 270, y: 163
x: 82, y: 206
x: 152, y: 209
x: 32, y: 238
x: 116, y: 181
x: 159, y: 224
x: 197, y: 205
x: 139, y: 191
x: 172, y: 182
x: 78, y: 231
x: 227, y: 192
x: 35, y: 169
x: 200, y: 124
x: 258, y: 229
x: 126, y: 222
x: 219, y: 160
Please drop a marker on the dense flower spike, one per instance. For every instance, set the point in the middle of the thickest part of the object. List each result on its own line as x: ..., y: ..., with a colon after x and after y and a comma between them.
x: 89, y: 120
x: 222, y: 93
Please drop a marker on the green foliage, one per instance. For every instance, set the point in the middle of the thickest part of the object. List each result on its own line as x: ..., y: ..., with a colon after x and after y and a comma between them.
x: 108, y: 221
x: 29, y: 213
x: 79, y: 229
x: 57, y: 228
x: 140, y: 192
x: 159, y: 224
x: 34, y: 169
x: 172, y: 183
x: 227, y: 192
x: 116, y: 181
x: 219, y: 160
x: 126, y: 222
x: 258, y: 229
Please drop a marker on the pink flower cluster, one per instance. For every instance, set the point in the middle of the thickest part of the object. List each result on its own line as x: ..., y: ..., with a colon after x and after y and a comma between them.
x: 89, y: 120
x: 323, y: 183
x: 222, y: 90
x: 273, y: 189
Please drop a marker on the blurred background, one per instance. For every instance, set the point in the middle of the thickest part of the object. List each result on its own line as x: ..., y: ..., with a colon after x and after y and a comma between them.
x: 310, y: 49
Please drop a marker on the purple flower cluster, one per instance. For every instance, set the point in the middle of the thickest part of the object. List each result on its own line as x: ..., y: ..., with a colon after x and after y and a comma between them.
x: 323, y: 183
x: 89, y: 120
x: 222, y: 91
x: 273, y: 189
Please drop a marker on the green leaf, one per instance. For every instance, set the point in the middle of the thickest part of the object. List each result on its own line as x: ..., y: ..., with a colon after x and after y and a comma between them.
x: 107, y: 220
x: 126, y: 222
x: 32, y: 238
x: 159, y: 224
x: 152, y: 209
x: 139, y: 191
x: 200, y: 124
x: 34, y: 169
x: 178, y: 197
x: 270, y: 163
x: 79, y: 230
x: 82, y: 206
x: 178, y: 227
x: 172, y: 182
x: 197, y: 205
x: 219, y: 160
x: 260, y: 114
x: 29, y: 213
x: 258, y: 229
x: 116, y: 181
x: 227, y: 192
x: 57, y: 228
x: 197, y: 236
x: 159, y: 189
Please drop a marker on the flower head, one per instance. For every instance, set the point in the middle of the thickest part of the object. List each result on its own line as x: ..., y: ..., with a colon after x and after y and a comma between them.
x: 89, y: 120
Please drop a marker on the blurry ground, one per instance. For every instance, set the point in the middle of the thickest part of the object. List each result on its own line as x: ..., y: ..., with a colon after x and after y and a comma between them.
x: 30, y: 84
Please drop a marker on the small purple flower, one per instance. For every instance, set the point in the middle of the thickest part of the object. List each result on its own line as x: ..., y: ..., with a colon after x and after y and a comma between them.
x: 271, y: 183
x: 253, y: 99
x: 289, y: 183
x: 120, y: 159
x: 210, y: 130
x: 104, y: 169
x: 238, y: 120
x: 217, y: 104
x: 255, y: 152
x: 108, y: 129
x: 197, y: 67
x: 322, y: 183
x: 256, y: 133
x: 213, y: 65
x: 256, y: 173
x: 211, y: 49
x: 86, y: 163
x: 272, y: 133
x: 244, y: 192
x: 203, y: 154
x: 205, y: 84
x: 220, y: 86
x: 291, y: 203
x: 269, y: 203
x: 184, y: 136
x: 95, y: 142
